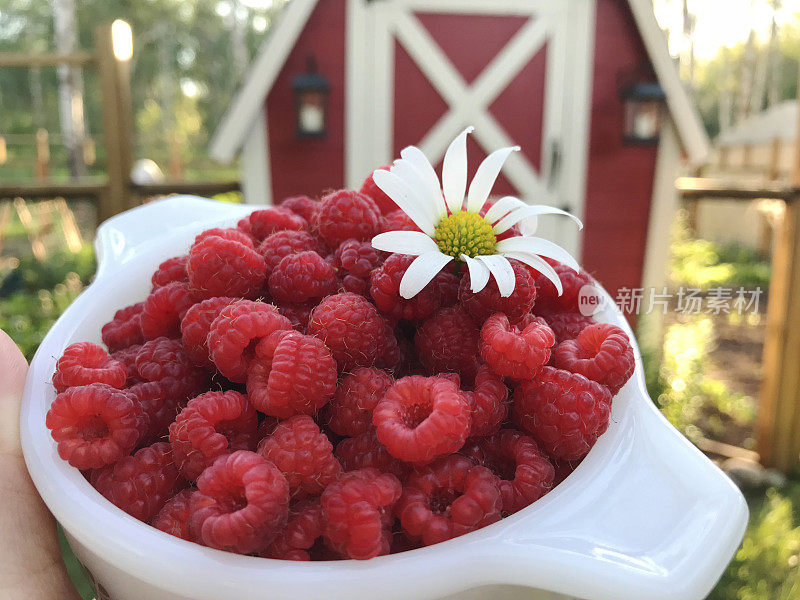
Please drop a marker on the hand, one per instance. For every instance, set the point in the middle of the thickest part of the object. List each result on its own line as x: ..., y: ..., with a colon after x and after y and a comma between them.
x: 30, y: 558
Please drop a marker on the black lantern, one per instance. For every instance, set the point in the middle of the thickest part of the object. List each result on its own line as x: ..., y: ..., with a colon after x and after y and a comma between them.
x: 311, y: 102
x: 642, y: 103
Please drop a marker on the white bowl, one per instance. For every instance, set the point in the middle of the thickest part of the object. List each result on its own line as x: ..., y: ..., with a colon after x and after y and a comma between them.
x: 644, y: 517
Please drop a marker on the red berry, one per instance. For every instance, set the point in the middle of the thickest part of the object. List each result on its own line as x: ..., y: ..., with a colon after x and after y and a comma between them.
x: 125, y: 329
x: 171, y: 270
x: 525, y: 472
x: 284, y: 243
x: 488, y: 301
x: 298, y: 314
x: 163, y: 310
x: 347, y: 214
x: 397, y: 220
x: 301, y: 277
x: 448, y: 342
x: 140, y: 484
x: 303, y: 454
x: 221, y: 267
x: 572, y: 282
x: 353, y: 330
x: 127, y: 358
x: 94, y: 425
x: 350, y: 410
x: 365, y: 451
x: 165, y: 361
x: 357, y: 509
x: 300, y: 534
x: 291, y: 374
x: 301, y: 205
x: 564, y: 411
x: 236, y: 331
x: 354, y: 261
x: 233, y: 234
x: 488, y: 402
x: 196, y: 325
x: 267, y: 221
x: 565, y: 325
x: 448, y: 498
x: 513, y: 353
x: 385, y: 291
x: 368, y: 188
x: 84, y: 363
x: 212, y: 424
x: 601, y: 352
x: 173, y: 518
x: 241, y: 503
x: 420, y: 418
x: 160, y: 407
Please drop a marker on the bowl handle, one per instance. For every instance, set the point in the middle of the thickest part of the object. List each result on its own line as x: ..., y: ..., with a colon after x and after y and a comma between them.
x: 657, y: 521
x: 125, y: 235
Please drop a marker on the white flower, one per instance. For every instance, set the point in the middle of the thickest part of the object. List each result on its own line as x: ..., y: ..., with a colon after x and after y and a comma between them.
x: 452, y: 227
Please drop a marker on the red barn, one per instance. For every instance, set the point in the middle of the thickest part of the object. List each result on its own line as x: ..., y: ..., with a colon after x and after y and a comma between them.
x: 551, y: 76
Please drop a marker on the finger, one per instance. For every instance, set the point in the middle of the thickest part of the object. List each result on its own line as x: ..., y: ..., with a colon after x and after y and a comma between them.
x: 13, y: 369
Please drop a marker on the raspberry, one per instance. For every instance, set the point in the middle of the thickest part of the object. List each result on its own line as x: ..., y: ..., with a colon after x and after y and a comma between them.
x: 291, y: 374
x: 300, y: 534
x: 397, y: 220
x: 525, y: 472
x: 127, y: 357
x: 301, y: 277
x: 298, y: 314
x: 572, y: 282
x: 354, y: 261
x: 94, y: 425
x: 420, y: 418
x: 488, y: 301
x: 284, y: 243
x: 269, y: 220
x: 353, y: 330
x: 220, y: 267
x: 212, y: 424
x: 159, y: 406
x: 488, y: 403
x: 365, y: 451
x: 231, y: 233
x: 140, y: 484
x: 564, y: 411
x: 368, y: 188
x: 601, y: 352
x: 301, y: 205
x: 564, y: 469
x: 171, y: 270
x: 350, y: 410
x: 347, y: 214
x: 235, y: 332
x: 448, y: 342
x: 303, y: 454
x: 565, y: 325
x: 165, y: 361
x: 514, y: 353
x: 84, y: 363
x: 241, y: 503
x: 196, y: 325
x: 173, y: 518
x: 163, y: 310
x: 448, y: 285
x: 385, y: 290
x: 125, y: 329
x: 448, y: 498
x: 357, y: 509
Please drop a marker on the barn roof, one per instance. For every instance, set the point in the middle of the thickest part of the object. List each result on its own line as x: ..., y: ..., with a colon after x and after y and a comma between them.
x: 777, y: 122
x: 248, y: 102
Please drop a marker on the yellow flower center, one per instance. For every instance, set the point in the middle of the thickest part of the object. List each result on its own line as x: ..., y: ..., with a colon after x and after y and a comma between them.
x: 465, y: 233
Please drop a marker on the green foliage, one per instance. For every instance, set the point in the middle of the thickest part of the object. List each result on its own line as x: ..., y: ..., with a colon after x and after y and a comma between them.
x: 766, y: 565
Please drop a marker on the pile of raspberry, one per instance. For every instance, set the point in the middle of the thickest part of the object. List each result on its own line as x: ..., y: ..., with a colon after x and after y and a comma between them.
x: 275, y: 396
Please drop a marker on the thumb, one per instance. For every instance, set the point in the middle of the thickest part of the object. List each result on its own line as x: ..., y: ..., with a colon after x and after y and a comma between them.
x: 13, y: 369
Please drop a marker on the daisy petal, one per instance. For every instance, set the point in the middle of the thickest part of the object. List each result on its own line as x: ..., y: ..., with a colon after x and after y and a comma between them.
x: 503, y: 273
x: 430, y: 180
x: 412, y: 178
x: 421, y: 271
x: 404, y: 242
x: 454, y: 171
x: 398, y: 190
x: 485, y: 177
x: 538, y: 246
x: 478, y: 274
x: 502, y: 207
x: 526, y: 212
x: 540, y: 265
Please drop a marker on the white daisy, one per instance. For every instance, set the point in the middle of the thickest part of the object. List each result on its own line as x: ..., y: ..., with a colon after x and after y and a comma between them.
x: 452, y: 227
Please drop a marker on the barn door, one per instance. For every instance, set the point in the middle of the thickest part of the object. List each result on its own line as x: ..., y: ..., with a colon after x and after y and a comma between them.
x: 419, y: 71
